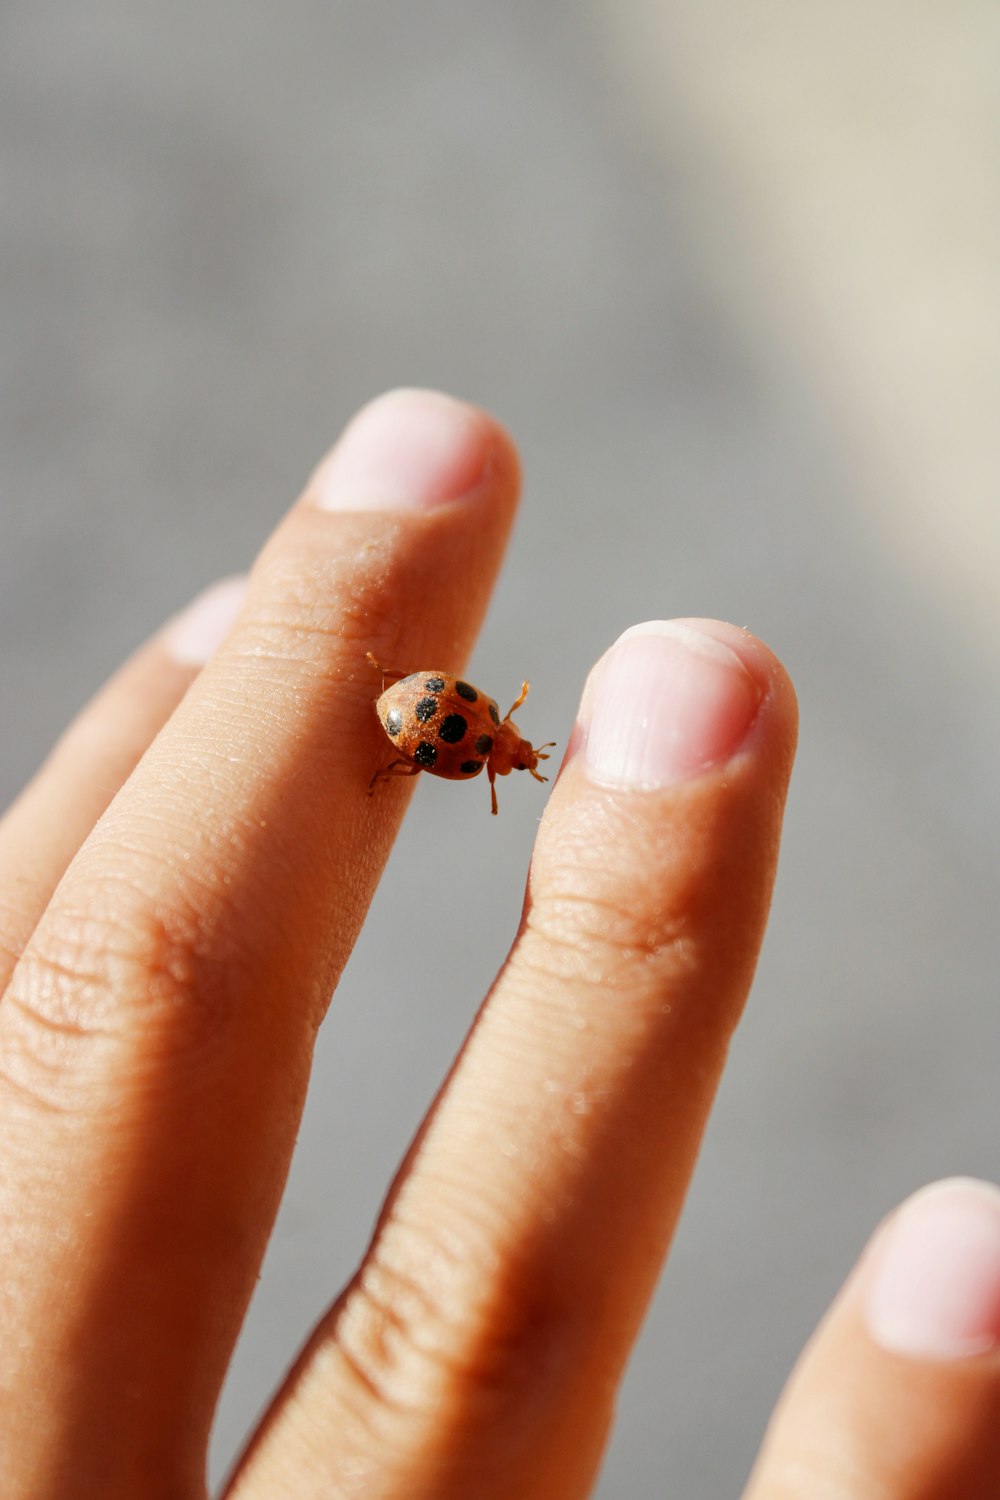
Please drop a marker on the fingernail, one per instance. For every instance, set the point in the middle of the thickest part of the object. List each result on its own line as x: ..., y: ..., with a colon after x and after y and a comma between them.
x: 405, y: 449
x: 667, y: 701
x: 194, y: 636
x: 935, y: 1291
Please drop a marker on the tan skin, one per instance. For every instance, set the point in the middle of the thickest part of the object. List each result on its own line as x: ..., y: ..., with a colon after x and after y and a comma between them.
x: 180, y: 887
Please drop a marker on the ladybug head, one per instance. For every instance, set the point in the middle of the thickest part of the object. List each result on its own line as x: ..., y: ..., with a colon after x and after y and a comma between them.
x: 512, y: 753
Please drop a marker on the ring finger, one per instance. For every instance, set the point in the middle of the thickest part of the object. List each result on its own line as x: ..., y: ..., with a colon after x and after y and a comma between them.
x: 45, y: 826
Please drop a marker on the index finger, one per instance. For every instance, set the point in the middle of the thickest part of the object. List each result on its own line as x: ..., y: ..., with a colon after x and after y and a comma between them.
x: 156, y: 1036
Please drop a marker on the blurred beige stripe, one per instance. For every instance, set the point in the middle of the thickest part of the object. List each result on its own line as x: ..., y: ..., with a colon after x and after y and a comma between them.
x: 840, y: 166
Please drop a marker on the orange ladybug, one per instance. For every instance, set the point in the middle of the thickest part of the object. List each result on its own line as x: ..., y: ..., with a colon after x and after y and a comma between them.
x: 442, y: 724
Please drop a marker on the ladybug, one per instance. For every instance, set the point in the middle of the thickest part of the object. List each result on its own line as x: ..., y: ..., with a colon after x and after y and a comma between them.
x: 442, y: 724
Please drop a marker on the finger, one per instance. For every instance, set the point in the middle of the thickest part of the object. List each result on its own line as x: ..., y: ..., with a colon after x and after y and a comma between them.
x: 44, y: 828
x: 156, y: 1036
x: 478, y: 1349
x: 898, y: 1395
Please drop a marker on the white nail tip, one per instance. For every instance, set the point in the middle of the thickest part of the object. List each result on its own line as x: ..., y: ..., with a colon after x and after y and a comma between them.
x: 193, y: 637
x: 690, y: 636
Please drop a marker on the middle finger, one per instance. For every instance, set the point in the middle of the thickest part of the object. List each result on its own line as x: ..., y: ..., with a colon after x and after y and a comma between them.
x: 156, y: 1036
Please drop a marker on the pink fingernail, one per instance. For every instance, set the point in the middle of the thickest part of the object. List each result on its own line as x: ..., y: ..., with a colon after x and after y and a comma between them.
x: 409, y: 448
x: 935, y: 1289
x: 669, y: 700
x: 194, y: 636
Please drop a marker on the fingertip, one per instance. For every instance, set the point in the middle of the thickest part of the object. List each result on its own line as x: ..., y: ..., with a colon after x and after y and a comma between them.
x: 897, y: 1390
x: 415, y: 448
x: 194, y: 635
x: 934, y: 1279
x: 673, y: 699
x: 759, y: 660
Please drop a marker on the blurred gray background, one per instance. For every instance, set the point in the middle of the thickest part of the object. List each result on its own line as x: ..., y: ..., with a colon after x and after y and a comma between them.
x: 733, y: 287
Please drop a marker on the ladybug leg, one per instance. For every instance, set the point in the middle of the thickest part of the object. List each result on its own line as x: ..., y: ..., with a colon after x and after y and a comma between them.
x: 493, y: 790
x: 388, y: 673
x: 515, y: 706
x: 394, y: 768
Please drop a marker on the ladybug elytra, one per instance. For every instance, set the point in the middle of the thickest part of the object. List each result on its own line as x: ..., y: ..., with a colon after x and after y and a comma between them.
x: 442, y: 724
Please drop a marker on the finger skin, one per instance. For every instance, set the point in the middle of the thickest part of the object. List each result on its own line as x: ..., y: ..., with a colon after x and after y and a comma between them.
x: 860, y: 1421
x: 156, y: 1036
x: 479, y: 1348
x: 44, y: 828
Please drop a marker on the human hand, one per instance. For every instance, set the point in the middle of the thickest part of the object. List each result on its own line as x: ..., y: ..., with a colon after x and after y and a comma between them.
x: 179, y: 890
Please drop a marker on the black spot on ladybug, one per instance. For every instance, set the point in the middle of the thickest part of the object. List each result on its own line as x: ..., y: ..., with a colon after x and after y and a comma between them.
x: 425, y: 755
x: 464, y: 690
x: 393, y: 722
x: 452, y: 729
x: 520, y: 766
x: 470, y: 767
x: 434, y: 684
x: 494, y: 713
x: 426, y: 708
x: 484, y: 744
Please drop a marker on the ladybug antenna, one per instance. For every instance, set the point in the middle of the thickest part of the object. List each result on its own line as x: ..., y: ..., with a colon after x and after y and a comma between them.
x: 540, y: 754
